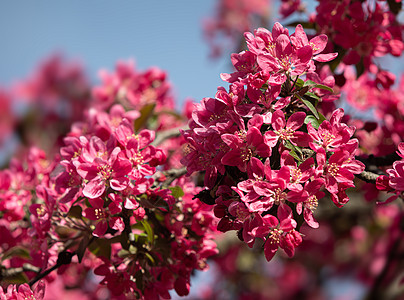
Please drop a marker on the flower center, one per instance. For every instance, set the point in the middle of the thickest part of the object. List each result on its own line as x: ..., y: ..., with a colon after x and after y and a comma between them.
x: 279, y: 196
x: 246, y: 155
x: 333, y: 169
x: 275, y: 236
x: 137, y: 159
x: 99, y: 213
x: 104, y: 171
x: 311, y: 203
x: 327, y: 138
x: 295, y: 174
x: 285, y: 133
x: 40, y: 211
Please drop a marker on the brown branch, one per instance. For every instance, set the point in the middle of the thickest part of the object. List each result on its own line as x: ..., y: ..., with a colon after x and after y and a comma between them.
x: 379, y: 161
x: 167, y: 134
x: 11, y: 272
x: 64, y: 258
x: 367, y: 176
x: 376, y: 291
x: 173, y: 174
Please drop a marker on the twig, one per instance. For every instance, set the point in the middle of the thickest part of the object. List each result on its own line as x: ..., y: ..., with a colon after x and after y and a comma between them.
x: 367, y: 176
x: 375, y: 291
x: 379, y: 161
x: 11, y: 272
x: 64, y: 258
x: 173, y: 174
x: 167, y: 134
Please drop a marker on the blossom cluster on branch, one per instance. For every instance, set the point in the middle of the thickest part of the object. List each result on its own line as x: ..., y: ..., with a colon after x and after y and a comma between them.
x: 252, y: 142
x: 111, y: 201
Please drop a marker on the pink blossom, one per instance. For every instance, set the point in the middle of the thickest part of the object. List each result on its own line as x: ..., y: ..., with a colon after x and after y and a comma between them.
x: 244, y: 145
x: 287, y: 131
x: 331, y: 135
x: 23, y: 292
x: 104, y: 216
x: 278, y: 235
x: 396, y: 175
x: 285, y: 60
x: 102, y: 167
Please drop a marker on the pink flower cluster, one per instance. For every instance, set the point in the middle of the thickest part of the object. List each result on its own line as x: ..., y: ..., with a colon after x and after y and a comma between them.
x: 52, y: 97
x: 108, y: 201
x: 133, y: 88
x: 23, y: 292
x: 115, y: 169
x: 364, y: 29
x: 382, y: 100
x: 393, y: 182
x: 396, y: 174
x: 265, y: 162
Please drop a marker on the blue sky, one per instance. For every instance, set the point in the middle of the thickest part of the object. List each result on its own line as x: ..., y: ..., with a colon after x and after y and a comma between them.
x: 166, y: 34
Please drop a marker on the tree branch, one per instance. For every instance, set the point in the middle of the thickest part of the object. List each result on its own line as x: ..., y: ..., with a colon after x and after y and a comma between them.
x: 368, y: 176
x: 173, y: 174
x: 11, y: 272
x: 376, y: 291
x: 379, y: 161
x: 167, y: 134
x: 64, y: 258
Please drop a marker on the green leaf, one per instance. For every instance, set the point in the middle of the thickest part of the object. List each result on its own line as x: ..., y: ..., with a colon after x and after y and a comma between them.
x: 100, y: 248
x: 75, y: 212
x: 145, y: 113
x: 324, y: 87
x: 123, y: 253
x: 310, y: 106
x: 132, y: 249
x: 309, y: 83
x: 294, y: 150
x: 176, y: 191
x: 299, y: 83
x: 19, y: 278
x: 314, y: 85
x: 294, y: 155
x: 322, y: 118
x: 312, y: 95
x: 84, y: 243
x: 160, y: 217
x: 140, y: 238
x: 149, y: 231
x: 313, y: 120
x: 150, y: 257
x: 16, y: 252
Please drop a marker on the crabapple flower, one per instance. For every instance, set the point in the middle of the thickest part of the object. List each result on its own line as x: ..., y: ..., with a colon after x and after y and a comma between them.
x: 318, y: 43
x: 287, y: 130
x: 104, y: 216
x: 396, y: 174
x: 340, y: 169
x: 331, y: 135
x: 307, y: 200
x: 284, y: 60
x: 278, y: 235
x: 102, y: 167
x: 244, y: 145
x: 23, y: 292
